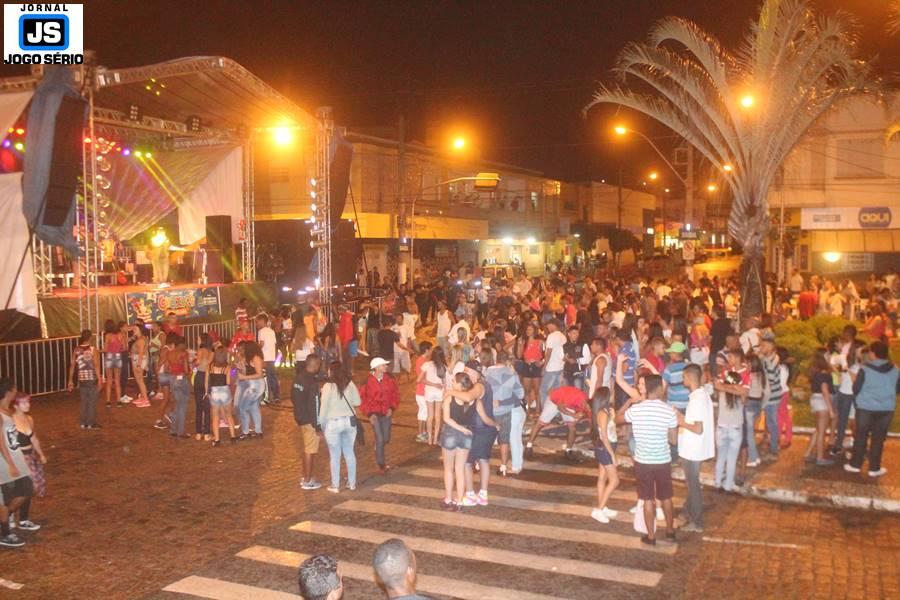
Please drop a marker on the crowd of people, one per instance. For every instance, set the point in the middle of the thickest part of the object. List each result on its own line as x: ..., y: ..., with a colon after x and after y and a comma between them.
x: 663, y: 370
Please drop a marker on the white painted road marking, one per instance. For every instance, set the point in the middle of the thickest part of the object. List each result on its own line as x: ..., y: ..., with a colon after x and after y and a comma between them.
x: 718, y: 540
x: 552, y: 564
x: 426, y: 584
x: 470, y: 521
x: 216, y: 589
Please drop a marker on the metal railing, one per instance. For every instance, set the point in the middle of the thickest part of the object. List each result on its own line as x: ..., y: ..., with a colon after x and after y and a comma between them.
x: 41, y: 366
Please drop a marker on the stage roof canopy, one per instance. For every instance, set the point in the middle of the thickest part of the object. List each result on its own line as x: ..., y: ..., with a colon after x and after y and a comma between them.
x: 222, y: 93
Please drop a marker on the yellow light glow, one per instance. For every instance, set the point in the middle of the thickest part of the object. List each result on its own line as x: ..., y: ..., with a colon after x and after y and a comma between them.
x: 282, y: 136
x: 159, y: 238
x: 727, y: 168
x: 667, y: 190
x: 654, y: 176
x: 712, y: 187
x: 832, y: 257
x: 747, y: 100
x: 459, y: 143
x: 620, y: 129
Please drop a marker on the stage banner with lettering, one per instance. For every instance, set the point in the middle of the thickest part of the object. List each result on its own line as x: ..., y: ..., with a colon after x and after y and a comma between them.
x: 190, y: 303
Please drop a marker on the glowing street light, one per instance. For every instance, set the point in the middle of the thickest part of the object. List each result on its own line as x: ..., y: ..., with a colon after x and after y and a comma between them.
x: 282, y: 136
x: 727, y: 168
x: 832, y: 257
x: 712, y: 187
x: 620, y: 129
x: 667, y: 190
x: 747, y: 100
x: 653, y: 176
x: 459, y: 143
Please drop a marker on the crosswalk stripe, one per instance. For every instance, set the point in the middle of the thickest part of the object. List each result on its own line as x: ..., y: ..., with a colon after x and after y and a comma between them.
x: 484, y: 524
x: 205, y: 587
x: 533, y: 486
x: 426, y: 584
x: 553, y: 564
x: 557, y: 508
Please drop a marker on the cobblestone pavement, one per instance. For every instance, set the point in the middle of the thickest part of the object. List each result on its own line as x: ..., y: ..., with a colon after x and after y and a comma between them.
x: 131, y: 511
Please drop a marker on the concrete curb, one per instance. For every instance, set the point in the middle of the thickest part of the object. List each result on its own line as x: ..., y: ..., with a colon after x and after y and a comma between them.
x: 781, y: 495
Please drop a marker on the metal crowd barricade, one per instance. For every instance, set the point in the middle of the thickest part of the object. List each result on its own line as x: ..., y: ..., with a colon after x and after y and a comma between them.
x: 41, y: 366
x: 38, y: 366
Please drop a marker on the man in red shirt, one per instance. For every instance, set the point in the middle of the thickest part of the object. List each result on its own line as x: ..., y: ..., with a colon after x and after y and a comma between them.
x: 243, y: 334
x: 807, y: 302
x: 380, y: 397
x: 572, y: 403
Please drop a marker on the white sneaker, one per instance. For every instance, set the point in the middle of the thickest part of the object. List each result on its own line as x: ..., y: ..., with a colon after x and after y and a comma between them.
x: 125, y: 399
x: 878, y: 473
x: 850, y: 468
x: 333, y: 489
x: 598, y: 515
x: 610, y: 512
x: 158, y: 396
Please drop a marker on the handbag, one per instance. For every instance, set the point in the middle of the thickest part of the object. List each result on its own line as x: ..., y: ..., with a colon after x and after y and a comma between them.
x: 354, y: 421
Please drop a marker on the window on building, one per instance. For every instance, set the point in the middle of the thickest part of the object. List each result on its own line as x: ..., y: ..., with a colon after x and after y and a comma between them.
x: 534, y: 201
x: 860, y: 158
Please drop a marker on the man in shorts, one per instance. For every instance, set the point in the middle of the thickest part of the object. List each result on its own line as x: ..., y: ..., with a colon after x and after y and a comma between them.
x: 15, y: 481
x: 654, y: 423
x: 508, y: 393
x: 572, y: 403
x: 305, y: 397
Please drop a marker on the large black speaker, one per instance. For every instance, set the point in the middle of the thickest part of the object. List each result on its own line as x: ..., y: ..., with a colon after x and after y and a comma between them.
x: 65, y: 162
x: 340, y: 178
x: 218, y: 231
x: 219, y: 265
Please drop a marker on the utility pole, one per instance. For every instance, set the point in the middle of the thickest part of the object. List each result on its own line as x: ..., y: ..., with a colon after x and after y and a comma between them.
x: 689, y: 187
x: 620, y: 197
x: 401, y: 198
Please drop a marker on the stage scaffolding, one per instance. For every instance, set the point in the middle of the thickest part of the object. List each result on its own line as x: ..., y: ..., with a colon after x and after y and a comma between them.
x: 322, y: 226
x: 230, y: 102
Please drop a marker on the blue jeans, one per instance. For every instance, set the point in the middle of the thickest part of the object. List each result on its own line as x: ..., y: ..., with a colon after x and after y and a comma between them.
x: 772, y: 426
x: 751, y: 412
x: 549, y: 382
x: 272, y: 381
x: 381, y: 425
x: 340, y: 436
x: 728, y: 445
x: 247, y: 397
x: 844, y: 404
x: 516, y: 449
x: 181, y: 391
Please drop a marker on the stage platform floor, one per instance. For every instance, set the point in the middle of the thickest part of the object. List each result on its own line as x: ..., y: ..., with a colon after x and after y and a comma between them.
x: 110, y: 290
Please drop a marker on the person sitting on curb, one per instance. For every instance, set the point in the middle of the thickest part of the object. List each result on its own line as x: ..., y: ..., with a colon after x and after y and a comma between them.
x: 876, y: 389
x: 395, y: 570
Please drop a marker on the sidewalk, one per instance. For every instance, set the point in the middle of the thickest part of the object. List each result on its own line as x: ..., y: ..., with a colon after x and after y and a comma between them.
x: 788, y: 480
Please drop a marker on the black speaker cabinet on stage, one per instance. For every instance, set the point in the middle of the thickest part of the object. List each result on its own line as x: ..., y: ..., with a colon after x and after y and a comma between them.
x: 219, y: 265
x: 218, y: 232
x: 65, y: 161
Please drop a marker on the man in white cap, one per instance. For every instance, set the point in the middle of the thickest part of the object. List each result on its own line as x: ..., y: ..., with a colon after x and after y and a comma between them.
x: 380, y: 397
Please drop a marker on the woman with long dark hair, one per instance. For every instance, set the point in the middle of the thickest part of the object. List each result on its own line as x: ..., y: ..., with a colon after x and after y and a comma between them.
x: 218, y: 390
x: 822, y: 406
x: 201, y: 398
x: 140, y: 362
x: 337, y: 413
x: 112, y: 359
x: 434, y: 377
x: 251, y: 385
x: 530, y: 352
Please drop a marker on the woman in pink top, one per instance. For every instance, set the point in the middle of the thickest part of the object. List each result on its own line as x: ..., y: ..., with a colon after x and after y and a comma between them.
x: 531, y: 359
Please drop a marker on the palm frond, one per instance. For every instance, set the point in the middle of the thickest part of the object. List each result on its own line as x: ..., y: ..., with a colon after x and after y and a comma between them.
x: 893, y: 23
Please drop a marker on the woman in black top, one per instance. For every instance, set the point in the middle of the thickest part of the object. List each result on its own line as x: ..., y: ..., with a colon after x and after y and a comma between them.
x: 822, y: 406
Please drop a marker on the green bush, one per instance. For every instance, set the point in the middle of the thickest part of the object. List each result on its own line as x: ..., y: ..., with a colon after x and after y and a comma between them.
x: 801, y: 347
x: 794, y: 327
x: 827, y: 327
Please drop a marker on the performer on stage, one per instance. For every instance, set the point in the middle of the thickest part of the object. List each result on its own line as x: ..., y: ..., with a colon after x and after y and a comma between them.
x: 159, y: 256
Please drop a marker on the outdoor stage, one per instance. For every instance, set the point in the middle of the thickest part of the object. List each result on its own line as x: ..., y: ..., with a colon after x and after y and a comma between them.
x: 193, y: 303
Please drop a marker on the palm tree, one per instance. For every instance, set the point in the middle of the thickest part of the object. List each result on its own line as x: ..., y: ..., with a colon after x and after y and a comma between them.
x: 894, y: 16
x: 746, y: 108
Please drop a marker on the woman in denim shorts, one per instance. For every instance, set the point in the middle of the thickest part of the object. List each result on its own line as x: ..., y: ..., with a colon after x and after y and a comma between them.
x: 218, y: 388
x: 605, y: 453
x: 456, y: 441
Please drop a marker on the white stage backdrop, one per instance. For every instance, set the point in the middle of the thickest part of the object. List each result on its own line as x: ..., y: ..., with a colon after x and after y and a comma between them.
x: 11, y: 106
x: 13, y: 241
x: 219, y: 194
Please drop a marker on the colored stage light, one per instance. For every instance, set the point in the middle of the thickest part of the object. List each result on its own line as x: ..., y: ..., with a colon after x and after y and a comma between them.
x: 20, y: 131
x: 139, y: 154
x: 19, y: 146
x: 148, y: 155
x: 87, y: 140
x: 282, y: 136
x: 6, y: 143
x: 126, y: 152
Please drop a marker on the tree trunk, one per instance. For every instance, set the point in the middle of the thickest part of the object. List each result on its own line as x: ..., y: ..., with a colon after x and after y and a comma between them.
x: 752, y: 277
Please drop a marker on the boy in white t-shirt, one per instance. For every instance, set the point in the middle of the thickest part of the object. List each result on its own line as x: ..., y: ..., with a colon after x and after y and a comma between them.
x: 696, y: 443
x: 402, y: 361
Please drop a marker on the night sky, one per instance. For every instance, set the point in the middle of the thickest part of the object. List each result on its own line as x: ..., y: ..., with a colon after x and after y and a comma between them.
x: 513, y: 75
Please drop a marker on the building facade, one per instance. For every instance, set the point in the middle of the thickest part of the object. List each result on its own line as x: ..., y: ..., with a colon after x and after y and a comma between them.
x: 839, y: 195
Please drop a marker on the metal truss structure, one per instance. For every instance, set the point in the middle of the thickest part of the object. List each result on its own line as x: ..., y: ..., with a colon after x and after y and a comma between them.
x: 322, y: 199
